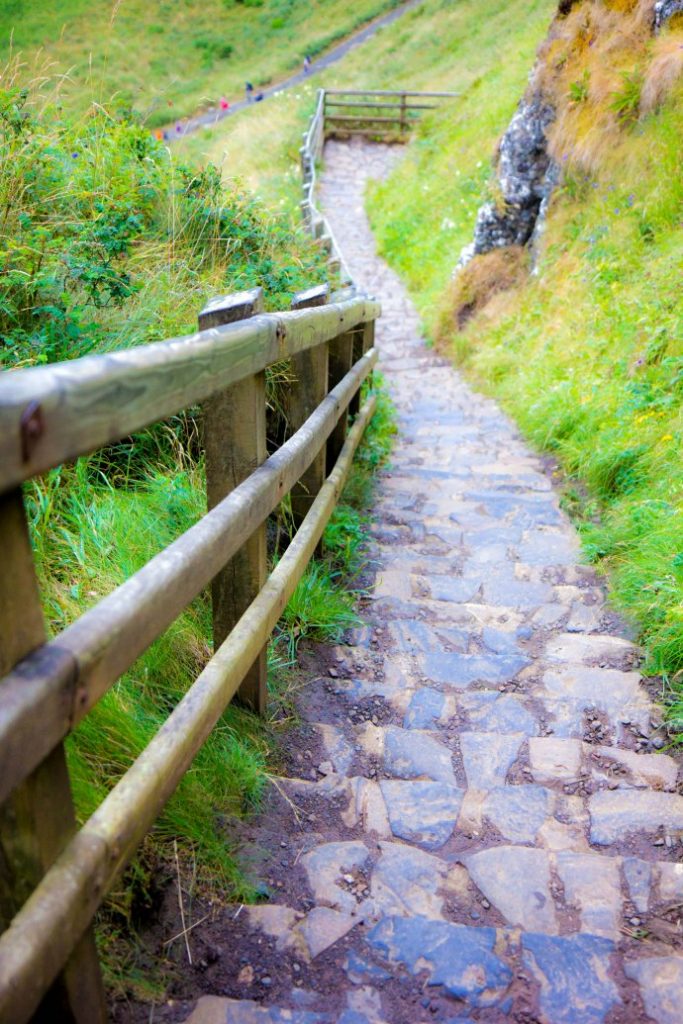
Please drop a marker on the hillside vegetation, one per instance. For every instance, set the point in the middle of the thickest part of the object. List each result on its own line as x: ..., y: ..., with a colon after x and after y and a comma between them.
x: 108, y: 241
x: 167, y: 59
x: 586, y: 353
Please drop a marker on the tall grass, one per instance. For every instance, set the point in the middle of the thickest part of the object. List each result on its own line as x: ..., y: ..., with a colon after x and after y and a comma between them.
x: 166, y: 59
x: 587, y: 353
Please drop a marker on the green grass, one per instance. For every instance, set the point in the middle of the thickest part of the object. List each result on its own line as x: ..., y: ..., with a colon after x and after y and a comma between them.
x: 109, y: 241
x: 167, y: 59
x: 588, y: 354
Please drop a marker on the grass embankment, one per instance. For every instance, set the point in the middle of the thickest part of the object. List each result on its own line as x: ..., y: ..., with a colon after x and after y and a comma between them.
x: 168, y: 59
x: 109, y: 242
x: 438, y: 46
x: 588, y: 353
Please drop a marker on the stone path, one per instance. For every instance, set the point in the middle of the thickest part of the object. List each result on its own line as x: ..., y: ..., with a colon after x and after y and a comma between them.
x: 486, y: 830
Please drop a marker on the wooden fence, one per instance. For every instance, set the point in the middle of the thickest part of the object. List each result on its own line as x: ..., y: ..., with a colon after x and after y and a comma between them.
x: 377, y: 112
x: 53, y: 877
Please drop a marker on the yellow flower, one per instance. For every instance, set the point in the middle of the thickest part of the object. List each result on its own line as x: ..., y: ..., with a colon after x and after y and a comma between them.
x: 666, y: 437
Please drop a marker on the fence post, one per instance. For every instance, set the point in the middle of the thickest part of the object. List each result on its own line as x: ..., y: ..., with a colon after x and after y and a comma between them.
x: 404, y: 124
x: 340, y: 362
x: 309, y: 390
x: 38, y: 820
x: 235, y: 444
x: 362, y: 342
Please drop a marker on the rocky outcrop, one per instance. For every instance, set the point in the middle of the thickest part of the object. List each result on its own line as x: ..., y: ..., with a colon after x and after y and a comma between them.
x: 526, y: 175
x: 665, y: 9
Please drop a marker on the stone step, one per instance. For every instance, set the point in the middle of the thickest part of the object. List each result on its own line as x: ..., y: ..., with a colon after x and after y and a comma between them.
x: 400, y: 966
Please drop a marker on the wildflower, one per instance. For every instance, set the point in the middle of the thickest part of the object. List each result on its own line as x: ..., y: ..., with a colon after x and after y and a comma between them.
x: 74, y: 156
x: 666, y: 437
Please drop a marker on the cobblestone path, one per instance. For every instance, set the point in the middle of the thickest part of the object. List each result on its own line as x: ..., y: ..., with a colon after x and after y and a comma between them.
x: 486, y: 830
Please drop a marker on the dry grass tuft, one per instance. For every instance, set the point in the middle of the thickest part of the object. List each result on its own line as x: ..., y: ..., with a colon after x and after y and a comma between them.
x: 663, y: 72
x: 476, y: 285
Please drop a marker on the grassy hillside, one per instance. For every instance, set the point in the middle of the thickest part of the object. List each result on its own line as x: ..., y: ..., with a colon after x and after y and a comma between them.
x: 439, y: 45
x: 587, y: 353
x: 167, y: 59
x: 108, y: 241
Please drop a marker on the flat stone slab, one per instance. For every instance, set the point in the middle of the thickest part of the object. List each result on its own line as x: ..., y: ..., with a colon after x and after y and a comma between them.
x: 497, y: 713
x: 519, y: 812
x: 572, y: 973
x: 407, y: 881
x: 607, y: 689
x: 410, y: 754
x: 325, y: 866
x: 487, y: 757
x: 588, y: 648
x: 593, y: 884
x: 422, y: 812
x: 216, y: 1010
x: 638, y: 877
x: 650, y: 771
x: 661, y: 985
x: 323, y: 927
x: 616, y: 813
x: 516, y: 880
x: 458, y: 958
x: 555, y: 760
x: 461, y: 670
x: 425, y: 709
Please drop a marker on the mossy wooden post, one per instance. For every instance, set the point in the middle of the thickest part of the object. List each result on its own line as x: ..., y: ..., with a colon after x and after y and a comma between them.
x: 363, y: 341
x: 309, y: 389
x: 235, y: 445
x: 340, y: 362
x: 38, y: 820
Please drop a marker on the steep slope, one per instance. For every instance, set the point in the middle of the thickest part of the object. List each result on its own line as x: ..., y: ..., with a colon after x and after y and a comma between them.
x: 169, y: 58
x: 587, y: 352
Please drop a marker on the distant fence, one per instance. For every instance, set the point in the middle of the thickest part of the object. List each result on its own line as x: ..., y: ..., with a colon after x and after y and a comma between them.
x: 53, y: 877
x: 378, y: 113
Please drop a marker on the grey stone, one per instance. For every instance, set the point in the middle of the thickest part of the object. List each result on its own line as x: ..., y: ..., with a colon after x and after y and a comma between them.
x: 607, y: 689
x: 638, y: 875
x: 614, y: 814
x: 216, y: 1010
x: 359, y: 969
x: 654, y: 771
x: 555, y: 760
x: 457, y: 957
x: 413, y: 636
x: 664, y: 10
x: 323, y: 927
x: 516, y: 880
x: 547, y: 548
x: 584, y: 618
x: 572, y: 972
x: 517, y: 593
x: 324, y: 867
x: 661, y: 985
x: 455, y: 589
x: 586, y: 648
x: 425, y: 709
x: 518, y: 812
x: 422, y: 812
x: 500, y: 642
x: 496, y: 713
x: 592, y: 883
x: 487, y: 758
x: 461, y: 670
x: 406, y: 880
x: 411, y: 754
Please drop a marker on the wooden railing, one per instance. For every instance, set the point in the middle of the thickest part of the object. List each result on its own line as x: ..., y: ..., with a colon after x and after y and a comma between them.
x: 53, y: 877
x: 377, y: 112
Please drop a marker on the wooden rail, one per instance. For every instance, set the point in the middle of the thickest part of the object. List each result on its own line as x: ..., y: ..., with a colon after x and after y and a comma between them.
x: 376, y: 112
x: 53, y: 877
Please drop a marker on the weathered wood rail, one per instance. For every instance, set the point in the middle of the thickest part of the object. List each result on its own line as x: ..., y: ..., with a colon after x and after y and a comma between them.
x: 377, y: 112
x: 52, y: 876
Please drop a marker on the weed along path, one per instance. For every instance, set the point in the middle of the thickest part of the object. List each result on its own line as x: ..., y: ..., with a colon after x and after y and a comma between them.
x: 483, y: 827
